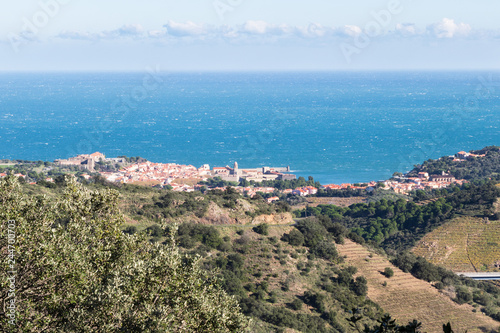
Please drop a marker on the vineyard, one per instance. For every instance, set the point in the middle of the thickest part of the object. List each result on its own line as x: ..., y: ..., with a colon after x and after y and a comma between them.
x: 465, y: 244
x: 406, y: 297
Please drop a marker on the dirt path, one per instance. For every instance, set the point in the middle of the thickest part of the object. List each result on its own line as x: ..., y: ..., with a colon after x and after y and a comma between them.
x: 406, y: 297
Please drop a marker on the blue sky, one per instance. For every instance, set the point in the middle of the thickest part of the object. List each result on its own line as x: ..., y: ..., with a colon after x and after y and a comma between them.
x: 249, y: 35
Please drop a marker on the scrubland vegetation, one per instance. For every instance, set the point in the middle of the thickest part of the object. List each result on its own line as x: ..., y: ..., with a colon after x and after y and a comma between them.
x: 103, y: 257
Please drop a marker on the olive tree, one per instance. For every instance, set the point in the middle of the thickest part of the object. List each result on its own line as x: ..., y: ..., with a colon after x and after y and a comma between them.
x: 74, y: 270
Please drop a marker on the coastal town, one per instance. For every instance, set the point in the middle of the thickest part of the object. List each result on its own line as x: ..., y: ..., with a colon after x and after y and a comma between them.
x: 188, y: 178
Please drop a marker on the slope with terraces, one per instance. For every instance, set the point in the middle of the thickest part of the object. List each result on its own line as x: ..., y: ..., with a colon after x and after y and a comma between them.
x: 406, y: 297
x: 465, y: 244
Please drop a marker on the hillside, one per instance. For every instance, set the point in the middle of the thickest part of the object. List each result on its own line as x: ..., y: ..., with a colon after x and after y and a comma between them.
x: 306, y: 274
x: 469, y: 169
x: 406, y: 297
x: 465, y: 244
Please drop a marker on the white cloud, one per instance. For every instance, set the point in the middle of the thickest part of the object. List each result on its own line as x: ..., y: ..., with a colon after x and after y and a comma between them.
x: 185, y: 29
x: 447, y: 28
x: 313, y: 30
x: 407, y: 29
x: 78, y: 35
x: 256, y: 27
x: 130, y: 30
x: 262, y: 31
x: 351, y: 30
x: 264, y: 28
x: 156, y: 33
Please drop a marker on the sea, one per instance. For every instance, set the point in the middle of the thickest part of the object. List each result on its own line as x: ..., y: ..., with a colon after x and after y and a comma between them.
x: 337, y: 127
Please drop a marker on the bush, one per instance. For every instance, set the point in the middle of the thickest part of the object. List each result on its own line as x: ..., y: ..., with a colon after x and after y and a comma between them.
x: 130, y: 230
x: 356, y: 238
x: 315, y: 300
x: 463, y: 295
x: 155, y: 231
x: 325, y: 250
x: 262, y: 229
x: 424, y: 270
x: 208, y: 235
x: 482, y: 298
x: 296, y: 304
x: 294, y: 238
x: 273, y: 298
x: 360, y: 286
x: 313, y: 231
x: 225, y: 247
x: 388, y: 272
x: 405, y: 261
x: 186, y: 242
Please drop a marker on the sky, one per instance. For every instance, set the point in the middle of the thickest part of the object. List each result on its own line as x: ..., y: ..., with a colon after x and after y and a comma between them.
x: 248, y: 35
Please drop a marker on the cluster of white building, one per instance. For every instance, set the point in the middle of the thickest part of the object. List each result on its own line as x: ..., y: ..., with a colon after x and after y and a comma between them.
x: 157, y: 173
x: 462, y: 156
x: 174, y: 175
x: 403, y: 185
x: 257, y: 174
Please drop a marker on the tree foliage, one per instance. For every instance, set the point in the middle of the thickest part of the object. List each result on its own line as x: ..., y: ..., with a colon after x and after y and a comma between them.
x: 78, y: 272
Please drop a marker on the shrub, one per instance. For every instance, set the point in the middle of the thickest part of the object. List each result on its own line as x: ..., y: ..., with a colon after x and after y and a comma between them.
x: 225, y: 247
x: 482, y: 298
x: 155, y: 231
x: 296, y: 304
x: 360, y: 286
x: 463, y: 295
x: 388, y: 272
x: 186, y: 242
x: 207, y: 235
x: 294, y: 238
x: 356, y: 238
x: 130, y: 230
x: 262, y: 229
x: 425, y: 271
x: 313, y: 231
x: 405, y: 261
x: 325, y: 250
x: 315, y: 300
x: 273, y: 298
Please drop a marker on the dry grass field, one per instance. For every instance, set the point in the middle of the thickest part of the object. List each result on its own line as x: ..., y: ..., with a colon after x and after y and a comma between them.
x: 465, y: 244
x: 341, y: 202
x: 406, y: 297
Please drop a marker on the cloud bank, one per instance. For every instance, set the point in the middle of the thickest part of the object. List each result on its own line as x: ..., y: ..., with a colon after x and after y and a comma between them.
x: 260, y: 30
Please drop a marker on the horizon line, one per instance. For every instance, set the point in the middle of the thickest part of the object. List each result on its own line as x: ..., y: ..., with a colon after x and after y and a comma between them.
x: 2, y: 71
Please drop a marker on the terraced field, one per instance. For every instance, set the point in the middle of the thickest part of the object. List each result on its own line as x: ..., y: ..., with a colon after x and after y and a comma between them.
x: 407, y: 298
x: 465, y: 244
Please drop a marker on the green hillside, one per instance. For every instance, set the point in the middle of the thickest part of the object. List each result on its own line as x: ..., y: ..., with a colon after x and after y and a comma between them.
x: 302, y: 275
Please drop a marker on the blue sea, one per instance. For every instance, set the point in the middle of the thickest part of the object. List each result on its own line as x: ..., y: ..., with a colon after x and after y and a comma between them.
x: 335, y: 126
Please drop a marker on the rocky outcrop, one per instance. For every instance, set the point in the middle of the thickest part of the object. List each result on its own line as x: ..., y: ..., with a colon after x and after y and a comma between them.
x: 279, y: 218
